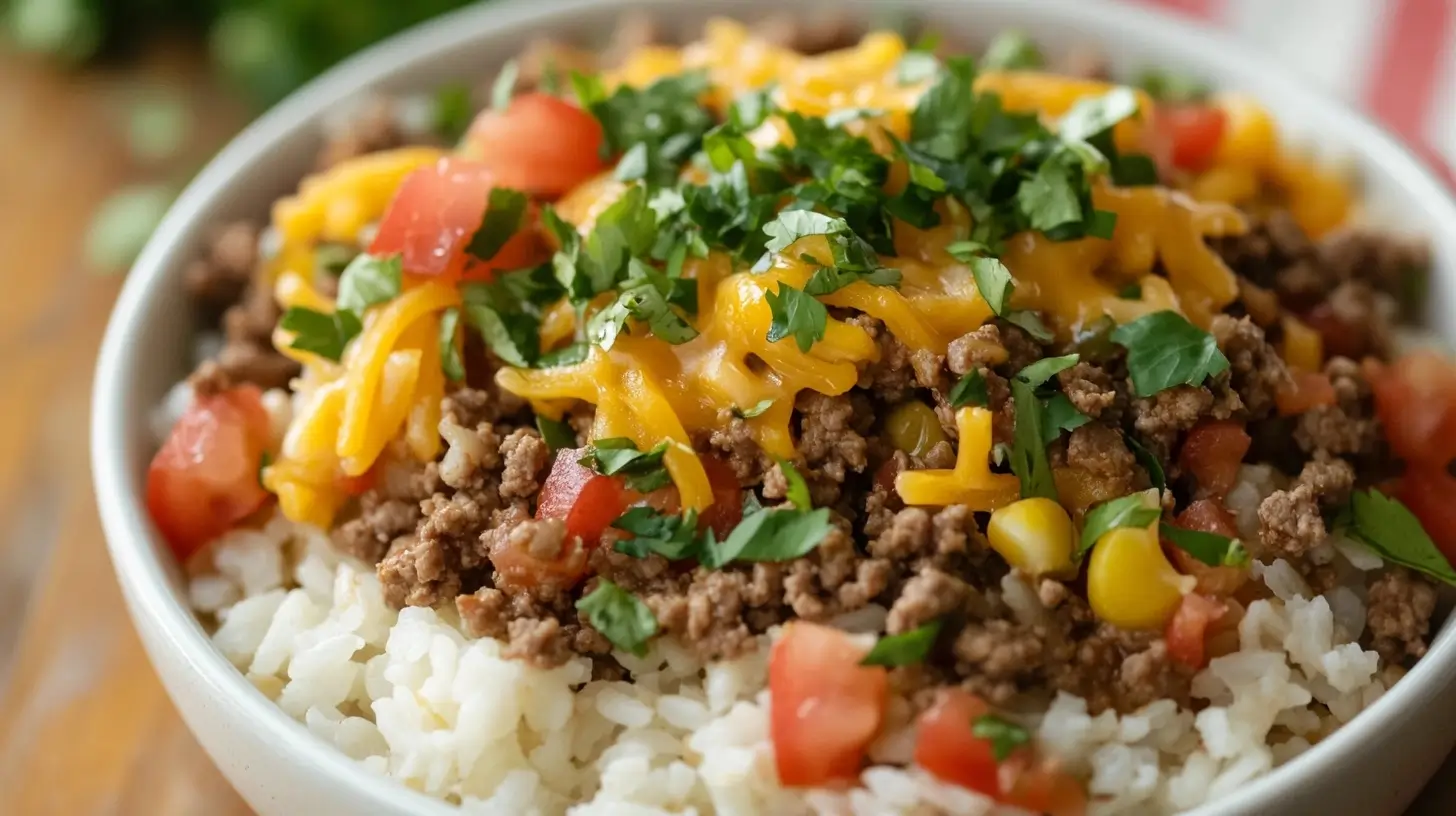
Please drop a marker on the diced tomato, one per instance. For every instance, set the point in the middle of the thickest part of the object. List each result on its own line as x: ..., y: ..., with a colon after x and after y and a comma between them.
x: 357, y: 485
x: 539, y: 144
x: 435, y: 213
x: 1429, y: 492
x: 727, y: 509
x: 518, y: 564
x: 205, y: 477
x: 826, y: 708
x: 1415, y: 398
x: 1192, y: 131
x: 1188, y: 628
x: 588, y: 501
x: 946, y: 747
x: 1309, y: 390
x: 1208, y: 516
x: 1212, y: 453
x: 1341, y: 338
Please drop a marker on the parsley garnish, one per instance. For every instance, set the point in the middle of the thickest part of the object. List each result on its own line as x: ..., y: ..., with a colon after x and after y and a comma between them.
x: 1044, y: 369
x: 450, y: 361
x: 504, y: 85
x: 1149, y: 462
x: 1012, y: 51
x: 916, y: 67
x: 1128, y: 511
x: 649, y: 296
x: 367, y: 281
x: 1395, y: 533
x: 452, y: 111
x: 1028, y: 450
x: 1058, y: 415
x: 993, y: 281
x: 1005, y: 736
x: 770, y: 534
x: 323, y: 334
x: 672, y: 537
x: 1168, y: 86
x: 970, y: 390
x: 620, y: 616
x: 555, y: 433
x: 754, y: 410
x: 504, y: 211
x: 798, y: 490
x: 1165, y: 350
x: 1211, y: 548
x: 904, y: 649
x: 664, y: 121
x: 619, y: 456
x: 796, y: 314
x: 1030, y: 322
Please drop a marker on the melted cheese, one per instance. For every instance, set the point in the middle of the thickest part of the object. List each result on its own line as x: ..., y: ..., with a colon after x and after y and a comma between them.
x: 971, y: 481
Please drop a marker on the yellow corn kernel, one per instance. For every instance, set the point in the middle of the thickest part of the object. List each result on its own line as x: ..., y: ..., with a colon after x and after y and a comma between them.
x: 1250, y: 138
x: 1303, y: 347
x: 1130, y: 582
x: 914, y: 428
x: 1229, y: 183
x: 1035, y: 536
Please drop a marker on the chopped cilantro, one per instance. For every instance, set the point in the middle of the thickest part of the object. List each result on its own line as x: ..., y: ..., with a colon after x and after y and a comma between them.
x: 650, y: 297
x: 791, y: 225
x: 798, y: 490
x: 1092, y: 116
x: 1165, y: 350
x: 1210, y: 548
x: 1058, y: 415
x: 619, y: 456
x: 1149, y: 462
x: 451, y: 111
x: 1128, y: 511
x: 770, y: 534
x: 564, y: 356
x: 1044, y: 369
x: 970, y: 390
x: 1169, y: 86
x: 750, y: 108
x: 332, y: 259
x: 754, y: 410
x: 904, y: 649
x: 796, y: 314
x: 505, y: 210
x: 1005, y: 736
x: 555, y: 433
x: 1012, y: 50
x: 369, y: 280
x: 993, y: 281
x: 1395, y: 533
x: 1028, y: 449
x: 665, y: 119
x: 323, y: 334
x: 504, y: 85
x: 916, y: 67
x: 508, y: 325
x: 620, y: 616
x: 673, y: 537
x: 1030, y: 322
x: 450, y: 361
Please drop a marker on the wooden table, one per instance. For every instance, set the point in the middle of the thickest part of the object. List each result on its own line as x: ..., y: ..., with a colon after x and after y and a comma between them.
x: 85, y: 728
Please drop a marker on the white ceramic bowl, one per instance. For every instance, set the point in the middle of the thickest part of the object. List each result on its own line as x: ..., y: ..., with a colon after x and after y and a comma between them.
x: 1375, y: 765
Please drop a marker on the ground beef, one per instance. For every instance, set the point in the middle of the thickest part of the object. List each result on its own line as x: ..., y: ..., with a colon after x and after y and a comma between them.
x: 1256, y: 370
x: 892, y: 376
x: 1021, y: 349
x: 1101, y: 452
x: 829, y: 440
x: 809, y: 33
x: 380, y: 521
x: 374, y: 127
x: 1399, y: 606
x: 709, y: 616
x: 525, y: 456
x: 1384, y: 261
x: 1170, y: 412
x: 1151, y: 675
x: 472, y: 456
x: 996, y: 657
x: 418, y: 572
x: 736, y: 442
x: 1290, y: 524
x: 834, y: 578
x: 1090, y: 388
x: 977, y: 349
x: 1364, y: 316
x: 948, y: 538
x: 1349, y: 427
x: 218, y: 279
x: 928, y: 596
x: 1331, y: 479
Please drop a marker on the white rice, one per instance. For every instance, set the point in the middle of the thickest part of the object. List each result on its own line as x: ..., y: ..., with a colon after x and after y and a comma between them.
x: 411, y: 697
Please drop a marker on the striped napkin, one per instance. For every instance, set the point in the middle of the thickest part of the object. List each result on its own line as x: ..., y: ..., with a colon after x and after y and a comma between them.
x: 1396, y: 59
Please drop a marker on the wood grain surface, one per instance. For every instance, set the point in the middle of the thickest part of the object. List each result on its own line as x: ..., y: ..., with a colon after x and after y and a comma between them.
x: 85, y: 727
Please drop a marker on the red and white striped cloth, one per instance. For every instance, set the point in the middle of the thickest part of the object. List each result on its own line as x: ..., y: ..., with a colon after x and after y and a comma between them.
x: 1396, y: 59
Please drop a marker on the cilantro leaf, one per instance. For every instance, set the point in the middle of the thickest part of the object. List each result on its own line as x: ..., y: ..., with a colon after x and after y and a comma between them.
x: 1005, y: 736
x: 332, y: 259
x: 369, y: 280
x: 750, y: 108
x: 1149, y: 462
x: 1028, y: 444
x: 796, y: 314
x: 507, y: 327
x: 941, y: 124
x: 1030, y: 322
x: 993, y: 281
x: 673, y: 537
x: 1128, y: 511
x: 1058, y: 415
x: 587, y: 267
x: 1051, y: 200
x: 648, y: 296
x: 754, y: 410
x: 450, y: 361
x: 970, y: 390
x: 451, y: 111
x: 619, y: 456
x: 916, y: 67
x: 1210, y: 548
x: 323, y: 334
x: 1091, y: 116
x: 798, y: 490
x: 1169, y: 86
x: 620, y: 616
x: 791, y: 225
x: 1165, y: 350
x: 665, y: 118
x: 1044, y: 369
x: 1012, y: 50
x: 504, y: 211
x: 1396, y: 534
x: 504, y: 85
x: 904, y: 649
x: 555, y: 433
x: 770, y: 534
x: 564, y: 356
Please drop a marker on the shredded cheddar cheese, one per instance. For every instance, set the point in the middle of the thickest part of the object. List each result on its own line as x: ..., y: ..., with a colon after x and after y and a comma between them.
x: 971, y: 481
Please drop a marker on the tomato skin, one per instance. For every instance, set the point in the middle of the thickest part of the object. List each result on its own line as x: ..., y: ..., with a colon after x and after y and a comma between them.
x: 434, y: 214
x: 1193, y: 133
x: 539, y: 144
x: 204, y: 479
x: 945, y: 746
x: 1212, y: 453
x: 1429, y: 492
x: 1415, y: 398
x: 1045, y: 788
x: 588, y: 502
x: 825, y: 707
x: 1208, y: 516
x: 1188, y: 628
x: 1310, y: 390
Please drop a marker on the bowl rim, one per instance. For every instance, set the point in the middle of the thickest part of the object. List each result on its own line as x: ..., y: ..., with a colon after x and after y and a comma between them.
x: 131, y: 539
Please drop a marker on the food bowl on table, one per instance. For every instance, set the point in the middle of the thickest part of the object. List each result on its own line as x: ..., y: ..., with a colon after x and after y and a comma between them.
x: 313, y: 693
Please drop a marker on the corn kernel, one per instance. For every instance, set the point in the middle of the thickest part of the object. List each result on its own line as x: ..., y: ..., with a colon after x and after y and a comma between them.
x: 1035, y: 536
x: 1250, y: 138
x: 1303, y: 347
x: 914, y: 428
x: 1130, y: 582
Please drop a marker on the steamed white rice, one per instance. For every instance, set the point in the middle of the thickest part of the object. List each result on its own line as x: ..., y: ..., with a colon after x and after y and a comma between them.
x: 411, y: 697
